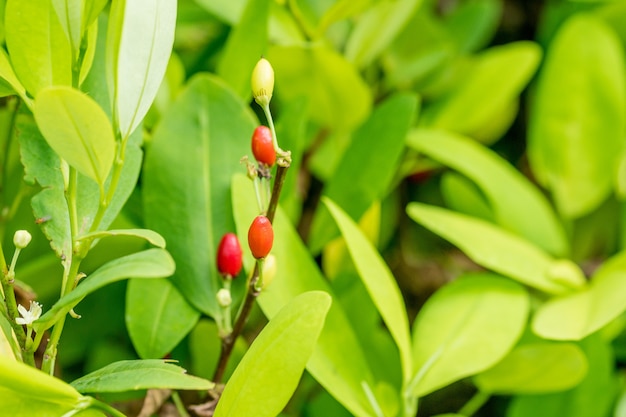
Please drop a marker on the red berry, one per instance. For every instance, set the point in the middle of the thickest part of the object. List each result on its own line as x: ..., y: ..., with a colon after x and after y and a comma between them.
x: 229, y: 256
x: 263, y: 146
x: 260, y: 237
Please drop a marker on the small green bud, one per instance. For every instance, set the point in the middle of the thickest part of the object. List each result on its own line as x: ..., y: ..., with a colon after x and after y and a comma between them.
x: 21, y: 239
x: 269, y: 270
x: 223, y: 297
x: 263, y: 82
x: 566, y: 272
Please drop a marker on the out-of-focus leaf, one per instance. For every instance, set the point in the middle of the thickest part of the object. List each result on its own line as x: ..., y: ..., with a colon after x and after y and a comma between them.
x: 525, y: 211
x: 269, y: 373
x: 151, y: 263
x: 535, y: 368
x: 578, y: 117
x: 26, y: 391
x: 341, y: 9
x: 498, y: 76
x: 462, y: 195
x: 246, y: 43
x: 377, y: 28
x: 593, y: 397
x: 9, y: 347
x: 497, y: 249
x: 139, y: 374
x: 77, y: 129
x: 473, y: 23
x: 359, y: 179
x: 338, y: 363
x: 40, y: 52
x: 156, y: 327
x: 465, y: 328
x: 338, y: 96
x: 575, y: 316
x: 140, y: 39
x: 194, y: 152
x: 379, y: 281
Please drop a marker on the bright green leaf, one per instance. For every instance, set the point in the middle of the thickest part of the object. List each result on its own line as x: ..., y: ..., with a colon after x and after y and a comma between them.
x: 379, y: 282
x: 77, y: 129
x: 377, y: 28
x: 466, y: 327
x: 495, y: 248
x: 246, y: 43
x: 574, y: 316
x: 269, y: 373
x: 141, y: 35
x: 525, y: 211
x: 462, y: 195
x: 498, y: 76
x: 40, y: 52
x: 139, y: 374
x: 194, y: 152
x: 149, y: 235
x: 157, y: 326
x: 338, y: 363
x: 359, y: 180
x: 472, y: 24
x: 69, y: 13
x: 578, y: 117
x: 592, y: 397
x: 338, y: 96
x: 8, y: 75
x: 9, y: 347
x: 535, y: 368
x: 151, y: 263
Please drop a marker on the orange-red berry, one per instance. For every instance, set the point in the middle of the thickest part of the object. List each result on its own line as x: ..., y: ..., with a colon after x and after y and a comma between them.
x: 260, y: 237
x: 229, y: 256
x: 263, y: 146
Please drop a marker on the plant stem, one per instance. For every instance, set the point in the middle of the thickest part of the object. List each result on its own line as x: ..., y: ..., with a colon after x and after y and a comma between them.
x: 475, y: 403
x: 11, y: 308
x: 252, y: 293
x: 180, y: 407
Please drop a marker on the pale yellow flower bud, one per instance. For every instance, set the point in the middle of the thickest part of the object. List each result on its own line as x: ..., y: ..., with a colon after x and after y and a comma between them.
x: 263, y: 82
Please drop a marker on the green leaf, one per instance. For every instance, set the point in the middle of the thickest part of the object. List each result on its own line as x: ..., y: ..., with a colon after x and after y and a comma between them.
x: 9, y: 347
x: 156, y: 327
x: 139, y: 374
x: 269, y: 373
x: 535, y: 368
x: 377, y: 28
x: 578, y: 117
x: 141, y: 35
x: 40, y: 52
x: 359, y: 180
x: 462, y: 195
x: 77, y: 129
x: 338, y: 96
x: 525, y: 211
x: 473, y: 24
x: 8, y: 75
x: 574, y: 316
x: 186, y: 183
x: 22, y: 382
x: 466, y: 327
x: 69, y: 13
x: 340, y: 10
x: 495, y: 248
x: 246, y: 43
x: 497, y: 77
x: 379, y: 281
x: 593, y: 397
x: 338, y: 363
x: 151, y: 263
x: 149, y: 235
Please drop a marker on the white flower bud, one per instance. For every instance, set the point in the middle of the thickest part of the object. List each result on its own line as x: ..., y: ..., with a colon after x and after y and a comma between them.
x: 223, y: 297
x: 21, y: 239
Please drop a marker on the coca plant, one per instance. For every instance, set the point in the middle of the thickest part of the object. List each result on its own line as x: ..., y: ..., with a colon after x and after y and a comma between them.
x: 397, y: 132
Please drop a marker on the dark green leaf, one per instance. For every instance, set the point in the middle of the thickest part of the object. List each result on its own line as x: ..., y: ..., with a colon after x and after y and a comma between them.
x: 151, y: 263
x: 140, y: 374
x: 157, y: 326
x: 194, y: 152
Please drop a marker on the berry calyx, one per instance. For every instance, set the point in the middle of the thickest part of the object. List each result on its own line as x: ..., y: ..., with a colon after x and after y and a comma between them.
x: 260, y: 237
x: 263, y: 146
x: 229, y: 256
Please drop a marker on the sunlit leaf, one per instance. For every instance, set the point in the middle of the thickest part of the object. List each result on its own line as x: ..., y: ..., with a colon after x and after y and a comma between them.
x: 269, y: 373
x: 149, y: 235
x: 466, y: 327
